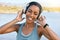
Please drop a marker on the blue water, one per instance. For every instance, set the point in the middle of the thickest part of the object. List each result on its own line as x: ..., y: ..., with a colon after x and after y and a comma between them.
x: 53, y: 19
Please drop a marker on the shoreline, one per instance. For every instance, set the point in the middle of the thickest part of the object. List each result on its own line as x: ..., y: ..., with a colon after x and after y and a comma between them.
x: 14, y: 9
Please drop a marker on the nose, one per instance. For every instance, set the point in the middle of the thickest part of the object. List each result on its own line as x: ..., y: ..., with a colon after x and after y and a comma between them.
x: 32, y: 15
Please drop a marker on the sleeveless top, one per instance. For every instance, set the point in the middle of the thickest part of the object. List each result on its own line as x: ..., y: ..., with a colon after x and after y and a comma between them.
x: 31, y: 36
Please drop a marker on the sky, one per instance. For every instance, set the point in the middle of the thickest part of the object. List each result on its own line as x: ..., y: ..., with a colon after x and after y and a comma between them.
x: 48, y: 3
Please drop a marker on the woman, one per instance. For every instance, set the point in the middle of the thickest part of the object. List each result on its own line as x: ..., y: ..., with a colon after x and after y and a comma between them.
x: 30, y: 30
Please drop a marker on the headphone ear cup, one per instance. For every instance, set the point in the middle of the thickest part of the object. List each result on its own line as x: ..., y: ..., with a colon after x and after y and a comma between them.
x: 26, y: 7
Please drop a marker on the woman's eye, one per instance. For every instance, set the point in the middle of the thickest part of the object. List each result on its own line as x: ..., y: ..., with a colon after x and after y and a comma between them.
x: 29, y: 11
x: 35, y: 14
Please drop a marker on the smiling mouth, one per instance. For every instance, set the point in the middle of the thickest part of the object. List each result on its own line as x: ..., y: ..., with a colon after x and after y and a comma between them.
x: 30, y: 19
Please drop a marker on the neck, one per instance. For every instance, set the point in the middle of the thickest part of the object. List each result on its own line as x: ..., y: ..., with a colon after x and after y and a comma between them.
x: 29, y: 24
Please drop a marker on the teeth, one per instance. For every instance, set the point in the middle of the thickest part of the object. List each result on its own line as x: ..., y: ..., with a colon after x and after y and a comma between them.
x: 30, y: 19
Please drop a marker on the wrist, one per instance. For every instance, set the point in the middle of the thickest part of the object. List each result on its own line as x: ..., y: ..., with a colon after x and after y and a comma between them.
x: 45, y: 25
x: 16, y: 20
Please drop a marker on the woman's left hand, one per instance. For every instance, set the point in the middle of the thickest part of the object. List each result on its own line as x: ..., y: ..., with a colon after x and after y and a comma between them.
x: 42, y: 20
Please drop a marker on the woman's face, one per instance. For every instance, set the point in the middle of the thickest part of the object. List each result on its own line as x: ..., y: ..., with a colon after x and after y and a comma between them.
x: 32, y: 13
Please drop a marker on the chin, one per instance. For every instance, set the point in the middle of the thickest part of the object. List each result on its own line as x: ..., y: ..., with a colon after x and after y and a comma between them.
x: 30, y: 21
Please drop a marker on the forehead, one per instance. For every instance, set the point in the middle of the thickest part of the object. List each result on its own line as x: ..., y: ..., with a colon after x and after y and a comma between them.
x: 34, y: 7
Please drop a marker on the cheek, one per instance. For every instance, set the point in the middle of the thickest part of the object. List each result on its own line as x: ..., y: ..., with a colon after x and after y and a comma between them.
x: 35, y: 17
x: 27, y: 14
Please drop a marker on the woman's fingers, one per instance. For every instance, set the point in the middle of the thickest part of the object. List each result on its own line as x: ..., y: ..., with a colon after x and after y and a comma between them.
x: 19, y: 16
x: 41, y: 18
x: 20, y: 12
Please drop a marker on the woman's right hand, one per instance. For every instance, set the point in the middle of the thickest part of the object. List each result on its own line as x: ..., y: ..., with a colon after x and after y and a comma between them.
x: 11, y: 26
x: 19, y: 16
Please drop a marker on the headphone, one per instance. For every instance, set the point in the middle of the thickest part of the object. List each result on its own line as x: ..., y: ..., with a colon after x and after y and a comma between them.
x: 33, y: 3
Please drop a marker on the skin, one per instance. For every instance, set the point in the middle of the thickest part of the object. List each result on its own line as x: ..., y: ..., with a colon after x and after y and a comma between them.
x: 31, y: 16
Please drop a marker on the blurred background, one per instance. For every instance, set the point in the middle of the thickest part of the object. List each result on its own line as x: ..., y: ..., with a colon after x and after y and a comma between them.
x: 9, y: 9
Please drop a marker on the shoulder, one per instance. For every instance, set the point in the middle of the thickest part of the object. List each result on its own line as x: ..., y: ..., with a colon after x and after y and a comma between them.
x: 17, y: 26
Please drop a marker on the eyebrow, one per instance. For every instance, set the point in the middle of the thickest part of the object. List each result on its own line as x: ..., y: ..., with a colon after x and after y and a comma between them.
x: 29, y: 9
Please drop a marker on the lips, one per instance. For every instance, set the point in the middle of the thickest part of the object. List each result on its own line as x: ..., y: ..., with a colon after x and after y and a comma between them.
x: 30, y: 18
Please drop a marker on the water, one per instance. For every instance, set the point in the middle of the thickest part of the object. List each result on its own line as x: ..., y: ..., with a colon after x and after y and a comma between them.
x: 53, y: 19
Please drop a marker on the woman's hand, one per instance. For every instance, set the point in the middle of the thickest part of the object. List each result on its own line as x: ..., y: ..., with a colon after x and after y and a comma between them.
x: 42, y: 20
x: 12, y: 26
x: 19, y: 16
x: 47, y: 32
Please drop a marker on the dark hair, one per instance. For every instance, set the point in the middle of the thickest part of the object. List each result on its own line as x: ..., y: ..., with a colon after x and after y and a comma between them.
x: 36, y: 4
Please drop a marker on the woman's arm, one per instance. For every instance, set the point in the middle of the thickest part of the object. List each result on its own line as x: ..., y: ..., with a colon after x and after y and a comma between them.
x: 52, y: 34
x: 11, y: 26
x: 8, y: 27
x: 43, y: 32
x: 47, y: 31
